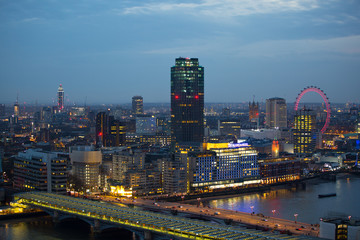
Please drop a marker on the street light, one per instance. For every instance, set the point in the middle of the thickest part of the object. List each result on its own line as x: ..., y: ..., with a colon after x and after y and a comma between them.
x: 198, y: 204
x: 252, y: 210
x: 273, y: 211
x: 295, y: 215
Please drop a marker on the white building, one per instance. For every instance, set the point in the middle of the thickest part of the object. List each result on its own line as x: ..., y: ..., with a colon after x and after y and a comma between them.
x: 86, y: 165
x: 261, y: 133
x: 340, y: 228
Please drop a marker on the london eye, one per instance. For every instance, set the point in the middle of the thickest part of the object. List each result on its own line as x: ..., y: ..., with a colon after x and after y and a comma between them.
x: 325, y: 98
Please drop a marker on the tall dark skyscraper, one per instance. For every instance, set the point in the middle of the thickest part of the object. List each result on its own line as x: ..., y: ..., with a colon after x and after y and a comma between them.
x: 102, y: 128
x: 60, y: 94
x: 187, y: 101
x: 137, y: 105
x: 109, y: 132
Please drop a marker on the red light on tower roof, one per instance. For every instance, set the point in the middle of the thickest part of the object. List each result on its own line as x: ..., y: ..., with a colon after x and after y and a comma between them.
x: 176, y: 96
x: 100, y: 134
x: 196, y: 96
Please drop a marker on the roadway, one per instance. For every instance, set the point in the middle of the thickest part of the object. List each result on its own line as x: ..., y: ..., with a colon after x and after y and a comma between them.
x: 269, y: 222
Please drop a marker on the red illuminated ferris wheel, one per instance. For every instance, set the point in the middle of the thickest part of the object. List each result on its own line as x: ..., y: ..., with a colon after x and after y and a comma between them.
x: 325, y: 98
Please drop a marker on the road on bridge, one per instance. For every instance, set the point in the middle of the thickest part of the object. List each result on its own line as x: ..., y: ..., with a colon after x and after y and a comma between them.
x: 298, y: 228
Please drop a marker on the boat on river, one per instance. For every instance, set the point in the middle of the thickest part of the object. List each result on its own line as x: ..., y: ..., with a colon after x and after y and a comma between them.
x: 327, y: 195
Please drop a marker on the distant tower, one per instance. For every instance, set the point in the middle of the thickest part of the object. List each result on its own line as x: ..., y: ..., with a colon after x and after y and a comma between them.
x: 276, y: 113
x: 304, y: 131
x: 60, y: 94
x: 137, y: 105
x: 102, y: 129
x: 226, y: 112
x: 187, y: 101
x: 17, y: 107
x: 253, y: 111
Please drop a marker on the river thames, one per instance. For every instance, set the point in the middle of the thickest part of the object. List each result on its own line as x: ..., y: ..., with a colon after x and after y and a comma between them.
x: 301, y: 200
x: 286, y: 201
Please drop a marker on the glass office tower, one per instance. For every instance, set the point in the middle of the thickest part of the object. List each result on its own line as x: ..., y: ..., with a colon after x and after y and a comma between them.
x: 187, y: 101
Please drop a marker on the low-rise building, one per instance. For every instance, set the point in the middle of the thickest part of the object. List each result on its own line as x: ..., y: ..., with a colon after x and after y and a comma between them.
x: 280, y: 169
x: 36, y: 170
x: 340, y: 228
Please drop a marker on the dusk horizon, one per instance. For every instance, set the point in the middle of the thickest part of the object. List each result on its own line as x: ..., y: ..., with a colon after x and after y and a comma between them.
x: 109, y: 52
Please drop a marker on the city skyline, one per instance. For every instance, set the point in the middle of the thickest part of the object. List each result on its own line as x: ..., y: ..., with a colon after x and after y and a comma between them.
x: 108, y: 52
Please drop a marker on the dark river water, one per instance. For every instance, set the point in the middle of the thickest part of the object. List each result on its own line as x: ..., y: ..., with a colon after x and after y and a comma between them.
x: 301, y: 200
x: 286, y: 201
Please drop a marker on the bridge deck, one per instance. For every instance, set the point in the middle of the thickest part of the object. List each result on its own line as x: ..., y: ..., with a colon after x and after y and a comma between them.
x: 136, y: 218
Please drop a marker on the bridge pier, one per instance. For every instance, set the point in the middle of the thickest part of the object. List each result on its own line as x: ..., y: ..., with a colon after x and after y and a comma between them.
x: 96, y: 227
x: 147, y: 235
x: 55, y: 217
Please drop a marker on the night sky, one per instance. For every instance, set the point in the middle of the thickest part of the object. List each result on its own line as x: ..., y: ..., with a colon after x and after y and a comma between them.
x: 109, y: 51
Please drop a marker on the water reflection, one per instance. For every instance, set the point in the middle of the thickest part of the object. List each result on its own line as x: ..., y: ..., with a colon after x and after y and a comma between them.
x: 44, y: 228
x: 301, y: 200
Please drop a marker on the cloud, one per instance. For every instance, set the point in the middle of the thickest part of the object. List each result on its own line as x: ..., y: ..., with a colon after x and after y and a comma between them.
x: 339, y: 19
x: 30, y: 19
x: 225, y: 8
x: 349, y: 45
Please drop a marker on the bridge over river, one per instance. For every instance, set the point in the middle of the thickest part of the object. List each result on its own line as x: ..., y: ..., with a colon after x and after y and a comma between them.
x: 145, y: 224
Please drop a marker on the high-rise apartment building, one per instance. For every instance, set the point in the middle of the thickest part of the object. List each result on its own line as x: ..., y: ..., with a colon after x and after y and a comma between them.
x: 304, y: 131
x: 60, y: 98
x: 276, y: 113
x: 187, y: 101
x: 137, y: 105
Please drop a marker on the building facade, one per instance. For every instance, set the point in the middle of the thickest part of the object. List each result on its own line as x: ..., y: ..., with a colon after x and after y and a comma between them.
x: 340, y: 228
x: 253, y: 111
x: 276, y: 113
x: 229, y: 127
x: 146, y: 125
x: 102, y: 129
x: 86, y: 163
x: 60, y: 98
x: 304, y: 131
x: 36, y: 170
x: 137, y: 105
x: 279, y: 169
x: 117, y: 133
x: 109, y: 132
x: 187, y: 101
x: 223, y: 165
